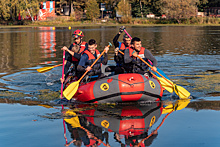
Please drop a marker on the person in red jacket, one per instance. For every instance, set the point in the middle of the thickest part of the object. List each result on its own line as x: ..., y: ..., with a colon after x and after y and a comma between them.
x: 89, y: 56
x: 122, y: 46
x: 74, y: 52
x: 136, y: 65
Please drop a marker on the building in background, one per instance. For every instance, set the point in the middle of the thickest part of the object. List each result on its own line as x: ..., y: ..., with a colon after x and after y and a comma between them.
x: 47, y: 10
x: 212, y: 11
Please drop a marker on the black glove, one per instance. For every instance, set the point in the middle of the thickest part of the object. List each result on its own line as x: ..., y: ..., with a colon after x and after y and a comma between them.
x: 121, y: 29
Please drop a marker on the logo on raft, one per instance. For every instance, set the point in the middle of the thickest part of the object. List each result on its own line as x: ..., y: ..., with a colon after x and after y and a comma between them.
x: 104, y: 86
x: 152, y: 84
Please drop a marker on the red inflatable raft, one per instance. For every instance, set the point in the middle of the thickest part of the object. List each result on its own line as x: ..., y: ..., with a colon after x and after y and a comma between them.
x: 120, y: 88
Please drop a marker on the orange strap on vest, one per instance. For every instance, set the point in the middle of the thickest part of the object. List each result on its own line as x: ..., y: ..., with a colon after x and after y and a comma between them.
x: 91, y: 56
x: 123, y: 47
x: 141, y: 53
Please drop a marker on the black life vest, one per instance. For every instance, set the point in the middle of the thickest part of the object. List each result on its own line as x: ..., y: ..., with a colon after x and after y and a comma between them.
x: 140, y: 67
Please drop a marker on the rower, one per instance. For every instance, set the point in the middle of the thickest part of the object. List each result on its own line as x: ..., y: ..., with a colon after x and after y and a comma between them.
x: 136, y: 65
x: 74, y: 52
x: 88, y: 57
x: 121, y: 67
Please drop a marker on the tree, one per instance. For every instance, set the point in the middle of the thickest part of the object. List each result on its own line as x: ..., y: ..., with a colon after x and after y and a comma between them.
x: 155, y: 7
x: 124, y: 8
x: 5, y: 9
x: 139, y: 8
x: 92, y: 9
x: 10, y: 8
x: 201, y: 5
x: 179, y: 9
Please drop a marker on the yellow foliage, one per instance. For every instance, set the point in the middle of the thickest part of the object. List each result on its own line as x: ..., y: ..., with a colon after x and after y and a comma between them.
x: 124, y: 8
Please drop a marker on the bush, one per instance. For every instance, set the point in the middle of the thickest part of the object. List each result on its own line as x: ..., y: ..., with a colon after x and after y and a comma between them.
x: 126, y: 19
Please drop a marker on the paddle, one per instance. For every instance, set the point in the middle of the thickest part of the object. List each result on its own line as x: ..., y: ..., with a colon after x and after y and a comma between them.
x: 61, y: 95
x: 180, y: 91
x: 45, y: 69
x: 167, y: 84
x: 73, y: 87
x: 163, y: 82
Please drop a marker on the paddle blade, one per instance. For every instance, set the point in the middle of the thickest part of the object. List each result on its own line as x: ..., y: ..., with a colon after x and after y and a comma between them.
x: 72, y: 119
x: 166, y: 84
x: 70, y: 91
x: 44, y: 69
x: 181, y: 92
x: 179, y: 105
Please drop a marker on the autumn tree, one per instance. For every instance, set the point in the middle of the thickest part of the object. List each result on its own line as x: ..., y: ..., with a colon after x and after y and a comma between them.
x: 92, y: 9
x: 5, y: 9
x: 9, y: 9
x: 124, y: 8
x: 179, y: 9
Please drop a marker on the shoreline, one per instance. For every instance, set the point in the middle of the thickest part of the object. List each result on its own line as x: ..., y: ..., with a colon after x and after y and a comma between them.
x: 103, y: 24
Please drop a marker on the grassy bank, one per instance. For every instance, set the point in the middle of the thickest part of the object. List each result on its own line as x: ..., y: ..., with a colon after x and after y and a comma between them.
x: 67, y: 21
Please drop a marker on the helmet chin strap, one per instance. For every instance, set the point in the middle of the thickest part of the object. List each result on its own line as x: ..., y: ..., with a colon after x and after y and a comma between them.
x: 80, y: 41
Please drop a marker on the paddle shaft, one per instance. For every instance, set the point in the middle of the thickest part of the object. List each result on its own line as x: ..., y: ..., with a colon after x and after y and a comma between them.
x: 155, y: 129
x: 61, y: 95
x: 58, y: 64
x: 93, y: 64
x: 150, y: 67
x: 155, y: 71
x: 127, y: 34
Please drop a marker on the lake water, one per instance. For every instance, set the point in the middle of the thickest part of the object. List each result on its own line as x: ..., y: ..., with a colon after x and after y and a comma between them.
x: 31, y: 116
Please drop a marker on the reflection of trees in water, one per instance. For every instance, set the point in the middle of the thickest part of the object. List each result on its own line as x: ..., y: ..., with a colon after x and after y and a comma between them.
x: 203, y: 104
x: 178, y: 40
x: 22, y: 47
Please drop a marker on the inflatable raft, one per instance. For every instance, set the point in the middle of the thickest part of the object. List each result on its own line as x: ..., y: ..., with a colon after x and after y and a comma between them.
x: 120, y: 88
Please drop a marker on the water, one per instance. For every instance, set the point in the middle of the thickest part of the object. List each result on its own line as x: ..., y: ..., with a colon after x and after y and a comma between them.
x: 188, y: 55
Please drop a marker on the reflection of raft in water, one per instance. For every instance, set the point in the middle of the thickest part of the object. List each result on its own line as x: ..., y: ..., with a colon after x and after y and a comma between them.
x: 120, y: 88
x: 125, y: 120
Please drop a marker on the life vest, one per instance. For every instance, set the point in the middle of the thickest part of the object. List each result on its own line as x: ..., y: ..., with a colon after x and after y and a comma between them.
x: 122, y: 48
x: 140, y: 67
x: 82, y: 48
x: 91, y: 142
x: 97, y: 67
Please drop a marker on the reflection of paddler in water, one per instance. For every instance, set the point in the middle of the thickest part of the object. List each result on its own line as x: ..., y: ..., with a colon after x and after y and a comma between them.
x: 132, y: 122
x: 168, y: 108
x: 83, y: 132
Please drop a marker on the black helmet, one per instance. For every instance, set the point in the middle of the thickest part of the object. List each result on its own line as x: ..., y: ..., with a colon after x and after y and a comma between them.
x: 125, y: 36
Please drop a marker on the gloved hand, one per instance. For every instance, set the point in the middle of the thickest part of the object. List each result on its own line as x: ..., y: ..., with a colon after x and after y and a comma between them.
x: 121, y: 29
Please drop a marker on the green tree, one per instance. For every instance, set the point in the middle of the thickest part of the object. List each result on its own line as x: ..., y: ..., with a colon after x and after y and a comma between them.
x: 213, y: 3
x: 92, y: 9
x: 155, y: 7
x: 140, y: 9
x: 201, y: 5
x: 179, y: 9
